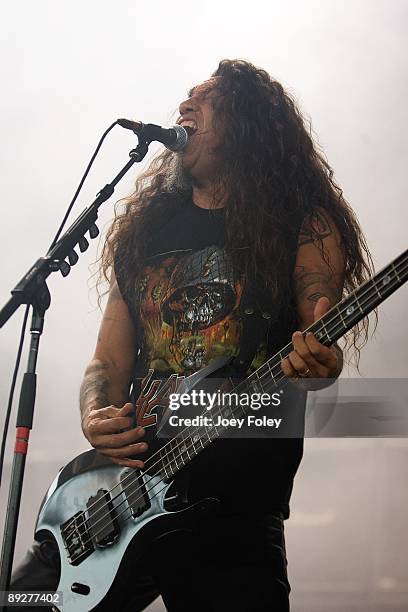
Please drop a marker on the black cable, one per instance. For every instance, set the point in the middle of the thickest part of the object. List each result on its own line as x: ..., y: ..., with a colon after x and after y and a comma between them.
x: 11, y: 395
x: 80, y: 185
x: 23, y: 327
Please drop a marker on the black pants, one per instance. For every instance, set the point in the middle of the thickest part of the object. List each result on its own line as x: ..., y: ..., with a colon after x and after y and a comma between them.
x: 231, y: 563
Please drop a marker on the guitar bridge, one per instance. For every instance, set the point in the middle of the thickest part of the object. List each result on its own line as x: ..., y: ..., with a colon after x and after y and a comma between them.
x: 77, y: 542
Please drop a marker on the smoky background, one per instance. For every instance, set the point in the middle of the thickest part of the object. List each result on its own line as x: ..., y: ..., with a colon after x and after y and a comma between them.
x: 68, y: 70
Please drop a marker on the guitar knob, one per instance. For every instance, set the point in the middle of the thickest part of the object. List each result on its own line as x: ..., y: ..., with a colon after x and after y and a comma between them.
x: 81, y: 589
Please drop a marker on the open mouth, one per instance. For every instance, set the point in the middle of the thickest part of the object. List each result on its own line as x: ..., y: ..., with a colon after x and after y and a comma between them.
x: 190, y: 130
x: 190, y: 126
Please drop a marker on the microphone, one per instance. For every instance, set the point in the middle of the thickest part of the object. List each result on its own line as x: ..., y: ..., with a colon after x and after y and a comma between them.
x: 174, y: 138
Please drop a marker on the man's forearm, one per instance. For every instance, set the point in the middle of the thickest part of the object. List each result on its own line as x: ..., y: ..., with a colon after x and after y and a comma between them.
x: 101, y: 387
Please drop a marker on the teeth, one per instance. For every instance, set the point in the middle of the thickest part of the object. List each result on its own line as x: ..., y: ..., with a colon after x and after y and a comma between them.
x: 190, y: 131
x: 189, y: 124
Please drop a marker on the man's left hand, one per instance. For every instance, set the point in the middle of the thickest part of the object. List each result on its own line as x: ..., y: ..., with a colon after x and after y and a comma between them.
x: 310, y: 358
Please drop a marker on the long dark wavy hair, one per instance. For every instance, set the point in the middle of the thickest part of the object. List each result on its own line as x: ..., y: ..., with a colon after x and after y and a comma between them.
x: 274, y: 176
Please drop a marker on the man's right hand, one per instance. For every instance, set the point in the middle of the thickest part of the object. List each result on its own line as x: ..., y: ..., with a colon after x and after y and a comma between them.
x: 104, y: 427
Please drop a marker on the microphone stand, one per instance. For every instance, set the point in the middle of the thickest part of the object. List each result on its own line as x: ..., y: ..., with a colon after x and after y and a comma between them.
x: 32, y: 289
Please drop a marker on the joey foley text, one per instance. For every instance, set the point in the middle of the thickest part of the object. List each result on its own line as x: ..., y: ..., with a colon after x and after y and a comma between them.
x: 228, y: 409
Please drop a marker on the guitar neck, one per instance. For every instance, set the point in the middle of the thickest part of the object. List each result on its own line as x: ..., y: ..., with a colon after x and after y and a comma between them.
x: 328, y: 329
x: 347, y: 313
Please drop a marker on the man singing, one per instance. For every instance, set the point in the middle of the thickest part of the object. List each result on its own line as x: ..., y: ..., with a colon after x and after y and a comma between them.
x: 228, y: 248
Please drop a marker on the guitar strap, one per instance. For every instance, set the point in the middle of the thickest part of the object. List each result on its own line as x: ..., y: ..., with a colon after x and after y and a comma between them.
x: 257, y: 315
x: 264, y: 320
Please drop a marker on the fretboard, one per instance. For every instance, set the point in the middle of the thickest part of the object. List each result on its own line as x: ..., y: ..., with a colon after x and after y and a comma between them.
x: 179, y: 451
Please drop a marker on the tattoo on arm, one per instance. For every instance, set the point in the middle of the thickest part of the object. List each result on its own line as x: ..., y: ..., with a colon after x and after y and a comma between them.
x: 95, y: 390
x: 311, y: 286
x: 314, y: 229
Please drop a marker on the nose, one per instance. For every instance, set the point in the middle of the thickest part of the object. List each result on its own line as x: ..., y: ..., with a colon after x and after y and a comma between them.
x: 186, y: 106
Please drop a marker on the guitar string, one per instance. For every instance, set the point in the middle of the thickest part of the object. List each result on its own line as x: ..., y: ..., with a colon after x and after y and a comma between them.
x: 183, y: 441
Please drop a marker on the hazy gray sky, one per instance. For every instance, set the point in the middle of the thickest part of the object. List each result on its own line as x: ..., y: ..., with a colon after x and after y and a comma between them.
x: 69, y: 69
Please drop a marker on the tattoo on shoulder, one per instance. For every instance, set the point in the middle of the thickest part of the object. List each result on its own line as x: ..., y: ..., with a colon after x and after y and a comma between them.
x: 314, y: 228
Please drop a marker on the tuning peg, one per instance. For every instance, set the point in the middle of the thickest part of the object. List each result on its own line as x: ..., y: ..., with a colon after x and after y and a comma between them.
x: 93, y: 231
x: 83, y: 244
x: 73, y: 257
x: 65, y: 268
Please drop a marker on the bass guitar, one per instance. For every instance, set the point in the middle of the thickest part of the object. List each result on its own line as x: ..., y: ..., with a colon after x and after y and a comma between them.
x: 95, y: 509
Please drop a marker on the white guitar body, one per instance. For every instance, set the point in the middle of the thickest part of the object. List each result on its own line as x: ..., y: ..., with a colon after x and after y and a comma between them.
x: 88, y: 569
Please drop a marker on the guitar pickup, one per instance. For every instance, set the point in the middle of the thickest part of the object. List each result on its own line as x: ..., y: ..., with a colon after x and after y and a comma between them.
x: 101, y: 519
x: 135, y: 493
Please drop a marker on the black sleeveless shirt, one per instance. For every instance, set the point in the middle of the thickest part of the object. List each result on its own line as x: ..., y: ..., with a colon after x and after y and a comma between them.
x: 190, y: 305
